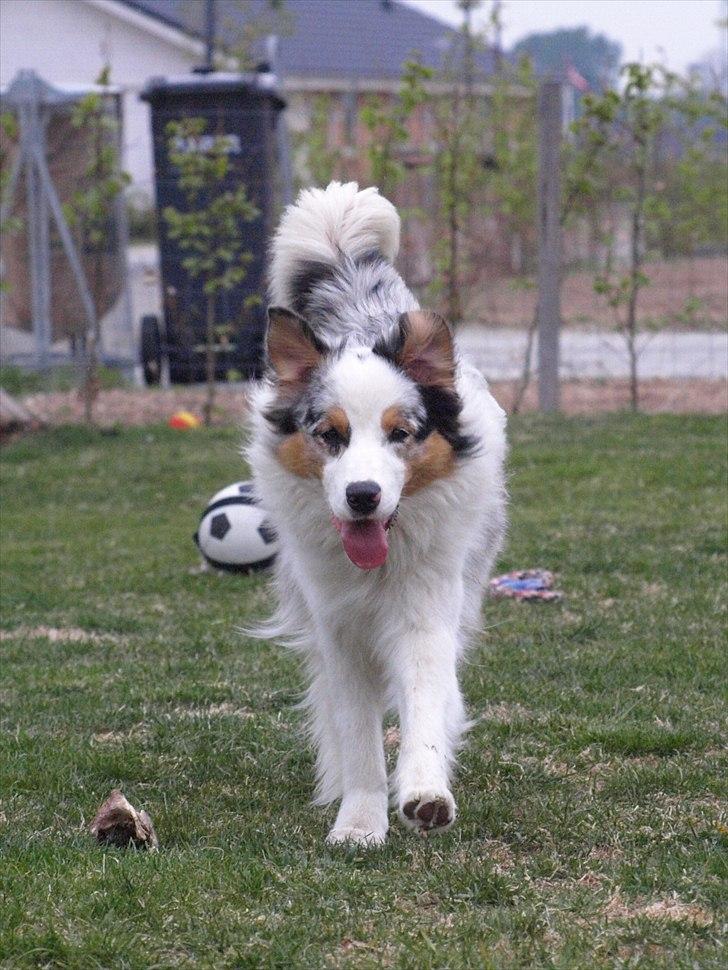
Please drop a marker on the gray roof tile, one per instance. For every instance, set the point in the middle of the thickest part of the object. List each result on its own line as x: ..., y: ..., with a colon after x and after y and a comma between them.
x: 328, y: 38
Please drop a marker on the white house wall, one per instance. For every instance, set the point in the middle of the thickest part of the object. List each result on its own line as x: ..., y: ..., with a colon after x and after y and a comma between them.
x: 70, y: 41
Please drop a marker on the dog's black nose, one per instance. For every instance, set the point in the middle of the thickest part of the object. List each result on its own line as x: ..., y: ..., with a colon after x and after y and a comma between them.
x: 363, y: 496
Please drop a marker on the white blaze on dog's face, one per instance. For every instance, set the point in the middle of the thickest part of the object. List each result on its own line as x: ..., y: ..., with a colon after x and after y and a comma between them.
x: 373, y: 425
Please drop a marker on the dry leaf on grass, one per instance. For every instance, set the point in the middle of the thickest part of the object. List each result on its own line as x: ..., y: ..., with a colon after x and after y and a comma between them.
x: 117, y: 822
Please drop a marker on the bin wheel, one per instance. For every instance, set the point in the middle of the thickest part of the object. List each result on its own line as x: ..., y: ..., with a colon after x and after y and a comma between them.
x: 151, y: 350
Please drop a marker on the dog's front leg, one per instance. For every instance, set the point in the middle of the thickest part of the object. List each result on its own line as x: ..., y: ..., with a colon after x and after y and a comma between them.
x: 358, y: 711
x: 431, y: 718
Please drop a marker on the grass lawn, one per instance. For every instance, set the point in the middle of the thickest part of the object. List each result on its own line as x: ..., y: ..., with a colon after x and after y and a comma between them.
x: 592, y: 829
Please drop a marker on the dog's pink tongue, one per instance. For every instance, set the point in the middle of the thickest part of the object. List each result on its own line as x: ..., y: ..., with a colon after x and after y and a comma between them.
x: 365, y: 542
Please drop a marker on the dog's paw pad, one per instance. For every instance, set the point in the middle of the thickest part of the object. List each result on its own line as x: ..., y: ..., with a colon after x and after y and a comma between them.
x: 349, y: 835
x: 429, y: 812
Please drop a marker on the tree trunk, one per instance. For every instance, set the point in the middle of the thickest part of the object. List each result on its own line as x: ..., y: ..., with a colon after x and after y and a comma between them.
x: 635, y: 283
x: 210, y: 361
x: 453, y: 257
x: 525, y: 380
x: 91, y: 375
x: 634, y: 387
x: 90, y: 389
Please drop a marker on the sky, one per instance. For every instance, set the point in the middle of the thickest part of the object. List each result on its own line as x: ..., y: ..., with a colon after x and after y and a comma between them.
x: 677, y: 32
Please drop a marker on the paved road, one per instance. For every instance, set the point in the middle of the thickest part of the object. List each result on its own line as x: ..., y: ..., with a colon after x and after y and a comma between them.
x: 499, y: 354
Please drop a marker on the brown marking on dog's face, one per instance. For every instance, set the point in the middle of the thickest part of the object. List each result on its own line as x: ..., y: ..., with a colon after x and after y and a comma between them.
x: 336, y: 418
x: 433, y: 460
x: 394, y: 418
x: 298, y: 455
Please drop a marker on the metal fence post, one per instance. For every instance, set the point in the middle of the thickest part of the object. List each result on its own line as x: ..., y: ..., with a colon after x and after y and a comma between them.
x: 37, y: 232
x: 550, y: 121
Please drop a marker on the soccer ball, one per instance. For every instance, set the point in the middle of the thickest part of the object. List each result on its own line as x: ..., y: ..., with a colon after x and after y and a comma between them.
x: 234, y: 533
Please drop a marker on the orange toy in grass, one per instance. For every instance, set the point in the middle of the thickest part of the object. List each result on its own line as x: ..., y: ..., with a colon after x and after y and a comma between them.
x: 184, y: 420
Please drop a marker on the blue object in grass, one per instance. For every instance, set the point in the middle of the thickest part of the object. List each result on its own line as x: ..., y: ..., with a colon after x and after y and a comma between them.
x: 526, y: 584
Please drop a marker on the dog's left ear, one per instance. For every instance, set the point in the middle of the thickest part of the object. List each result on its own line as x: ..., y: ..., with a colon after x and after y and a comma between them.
x: 293, y: 351
x: 426, y: 351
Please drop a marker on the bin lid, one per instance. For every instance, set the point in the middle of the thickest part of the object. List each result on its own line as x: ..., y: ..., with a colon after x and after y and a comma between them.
x: 262, y: 84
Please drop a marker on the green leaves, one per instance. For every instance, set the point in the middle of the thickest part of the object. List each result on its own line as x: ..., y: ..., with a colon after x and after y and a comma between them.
x: 9, y: 133
x: 90, y: 208
x: 386, y: 121
x: 647, y: 157
x: 210, y: 232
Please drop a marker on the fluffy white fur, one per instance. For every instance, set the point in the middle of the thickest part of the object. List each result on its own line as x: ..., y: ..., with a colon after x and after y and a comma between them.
x: 324, y: 225
x: 388, y: 638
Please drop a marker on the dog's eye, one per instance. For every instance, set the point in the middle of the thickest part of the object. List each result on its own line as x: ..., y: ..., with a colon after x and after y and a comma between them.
x: 399, y: 434
x: 331, y: 438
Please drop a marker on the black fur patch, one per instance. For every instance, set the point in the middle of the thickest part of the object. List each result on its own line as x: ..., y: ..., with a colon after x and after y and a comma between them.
x: 313, y: 273
x: 282, y: 419
x: 373, y: 256
x: 443, y: 407
x: 389, y: 346
x: 306, y: 279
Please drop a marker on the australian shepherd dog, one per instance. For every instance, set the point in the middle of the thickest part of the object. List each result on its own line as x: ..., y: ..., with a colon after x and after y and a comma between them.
x: 379, y: 456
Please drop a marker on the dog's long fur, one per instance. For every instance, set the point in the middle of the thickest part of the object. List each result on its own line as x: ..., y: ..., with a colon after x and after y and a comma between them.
x: 364, y: 386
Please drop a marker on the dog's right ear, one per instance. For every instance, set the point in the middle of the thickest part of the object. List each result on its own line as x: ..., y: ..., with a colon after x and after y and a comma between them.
x: 426, y: 350
x: 293, y: 350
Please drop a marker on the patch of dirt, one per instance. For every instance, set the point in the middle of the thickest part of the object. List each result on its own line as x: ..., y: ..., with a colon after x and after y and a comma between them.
x: 656, y: 396
x: 590, y: 880
x: 225, y: 709
x: 605, y: 853
x: 58, y: 635
x: 505, y: 713
x: 498, y: 854
x: 139, y: 406
x: 683, y: 294
x: 138, y: 732
x: 144, y: 406
x: 558, y: 769
x: 672, y: 910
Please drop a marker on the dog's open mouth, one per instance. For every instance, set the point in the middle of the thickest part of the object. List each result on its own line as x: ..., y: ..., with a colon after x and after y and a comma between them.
x: 365, y: 541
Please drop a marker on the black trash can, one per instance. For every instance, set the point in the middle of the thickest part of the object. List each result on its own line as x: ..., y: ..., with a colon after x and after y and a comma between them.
x: 245, y: 109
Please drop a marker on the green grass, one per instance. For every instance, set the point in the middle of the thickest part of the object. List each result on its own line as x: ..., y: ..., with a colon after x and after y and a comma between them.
x: 18, y: 381
x: 592, y: 828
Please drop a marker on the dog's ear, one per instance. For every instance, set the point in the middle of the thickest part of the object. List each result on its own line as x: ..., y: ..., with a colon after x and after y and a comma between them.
x: 426, y: 352
x: 293, y: 351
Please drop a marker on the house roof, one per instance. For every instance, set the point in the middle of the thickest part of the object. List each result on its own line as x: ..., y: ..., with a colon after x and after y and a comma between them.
x: 365, y: 39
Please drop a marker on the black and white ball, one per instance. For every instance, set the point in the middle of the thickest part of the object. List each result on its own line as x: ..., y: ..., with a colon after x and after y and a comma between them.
x: 234, y: 533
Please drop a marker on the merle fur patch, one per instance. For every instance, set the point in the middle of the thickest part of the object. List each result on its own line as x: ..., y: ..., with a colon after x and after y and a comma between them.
x: 355, y: 299
x: 442, y: 410
x: 309, y: 276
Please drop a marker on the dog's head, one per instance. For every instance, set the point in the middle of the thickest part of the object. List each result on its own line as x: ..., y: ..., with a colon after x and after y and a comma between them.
x: 373, y: 424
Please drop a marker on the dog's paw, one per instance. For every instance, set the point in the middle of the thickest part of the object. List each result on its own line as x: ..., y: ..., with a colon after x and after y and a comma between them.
x: 350, y: 835
x: 362, y: 820
x: 428, y: 811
